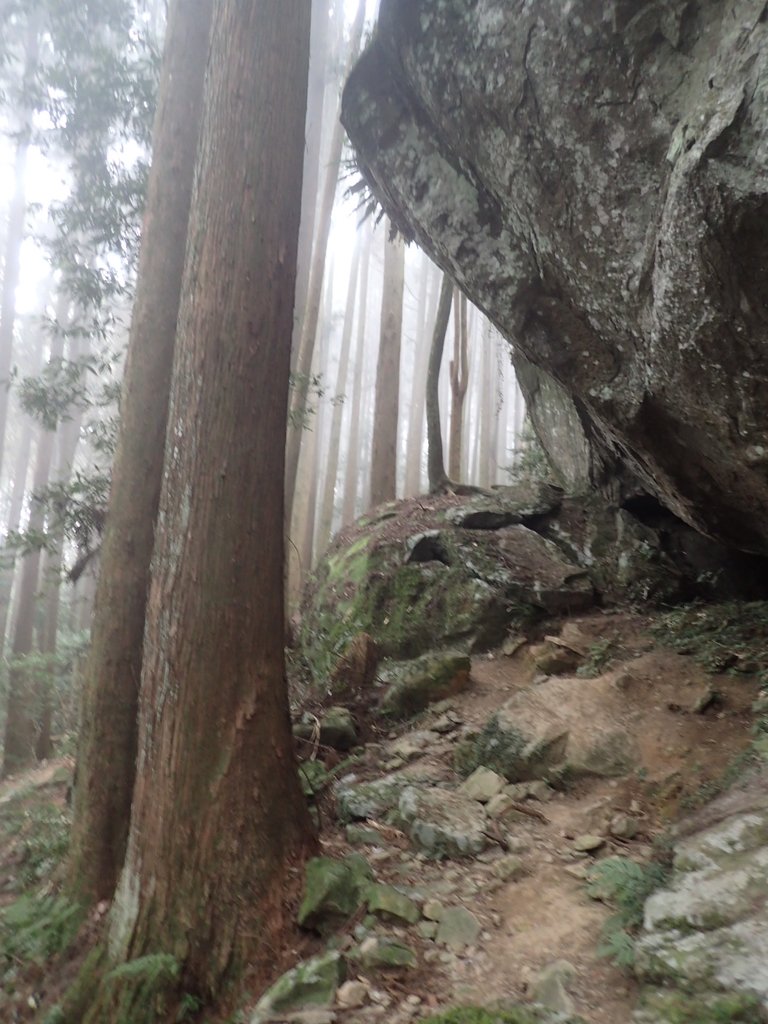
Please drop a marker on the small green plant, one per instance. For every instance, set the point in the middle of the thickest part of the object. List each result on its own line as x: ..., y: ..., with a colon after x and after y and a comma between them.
x: 141, y: 987
x: 732, y: 636
x: 737, y: 766
x: 681, y: 1008
x: 597, y: 660
x: 188, y: 1007
x: 35, y: 928
x: 625, y: 885
x: 44, y: 844
x: 482, y: 1015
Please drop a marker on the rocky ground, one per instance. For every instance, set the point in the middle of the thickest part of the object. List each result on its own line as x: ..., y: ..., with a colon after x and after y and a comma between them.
x: 445, y: 887
x: 622, y: 738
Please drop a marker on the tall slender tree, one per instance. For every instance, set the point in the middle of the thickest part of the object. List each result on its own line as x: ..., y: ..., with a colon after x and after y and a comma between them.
x: 459, y: 370
x: 438, y: 478
x: 332, y: 466
x: 385, y: 417
x: 15, y: 229
x: 21, y: 724
x: 111, y: 678
x: 352, y: 465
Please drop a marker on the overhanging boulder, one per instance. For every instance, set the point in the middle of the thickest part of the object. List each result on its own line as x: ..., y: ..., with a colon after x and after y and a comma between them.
x: 595, y: 177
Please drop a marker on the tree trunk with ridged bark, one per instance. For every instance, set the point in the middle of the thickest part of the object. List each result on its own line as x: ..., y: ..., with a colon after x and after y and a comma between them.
x: 107, y: 748
x: 219, y: 824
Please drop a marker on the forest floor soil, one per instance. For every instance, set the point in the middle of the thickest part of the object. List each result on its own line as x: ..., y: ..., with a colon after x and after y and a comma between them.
x: 691, y: 730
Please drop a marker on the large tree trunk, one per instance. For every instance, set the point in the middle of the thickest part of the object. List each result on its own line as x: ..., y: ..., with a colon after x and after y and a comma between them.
x: 107, y: 752
x: 459, y: 370
x: 218, y: 820
x: 352, y: 466
x: 384, y: 448
x: 435, y: 462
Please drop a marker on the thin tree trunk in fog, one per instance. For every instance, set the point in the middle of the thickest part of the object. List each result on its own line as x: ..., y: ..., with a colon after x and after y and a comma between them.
x: 352, y: 467
x: 416, y: 419
x: 318, y: 81
x: 302, y: 535
x: 15, y: 233
x: 303, y: 362
x: 459, y: 376
x: 384, y: 447
x: 20, y: 473
x: 68, y: 437
x: 487, y: 412
x: 342, y: 381
x: 113, y: 669
x: 21, y: 729
x: 435, y: 463
x: 314, y: 466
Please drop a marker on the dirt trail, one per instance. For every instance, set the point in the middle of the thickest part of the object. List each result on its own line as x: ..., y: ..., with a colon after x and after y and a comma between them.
x: 687, y: 726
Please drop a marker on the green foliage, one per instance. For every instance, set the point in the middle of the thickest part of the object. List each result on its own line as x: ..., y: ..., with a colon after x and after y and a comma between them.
x: 486, y: 1015
x: 722, y: 637
x: 35, y: 927
x: 140, y: 989
x: 597, y: 660
x: 706, y: 792
x: 44, y: 836
x: 625, y: 885
x: 705, y: 1008
x: 530, y: 463
x: 313, y: 386
x: 38, y: 830
x: 189, y: 1006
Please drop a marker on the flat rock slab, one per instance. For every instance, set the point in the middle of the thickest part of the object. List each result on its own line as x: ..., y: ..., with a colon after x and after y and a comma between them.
x: 442, y: 823
x: 708, y: 930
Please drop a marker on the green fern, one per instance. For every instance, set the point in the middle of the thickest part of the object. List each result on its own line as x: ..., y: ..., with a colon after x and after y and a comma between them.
x: 624, y: 885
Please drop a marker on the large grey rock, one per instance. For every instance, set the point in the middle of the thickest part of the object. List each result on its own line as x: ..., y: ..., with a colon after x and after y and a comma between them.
x: 377, y: 799
x: 414, y: 685
x: 442, y: 823
x: 311, y: 983
x: 333, y: 890
x: 422, y: 580
x: 561, y: 726
x: 708, y: 930
x: 594, y: 176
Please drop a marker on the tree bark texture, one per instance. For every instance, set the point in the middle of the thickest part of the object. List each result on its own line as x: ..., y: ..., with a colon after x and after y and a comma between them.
x: 435, y: 462
x: 218, y: 820
x: 107, y: 750
x: 385, y: 416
